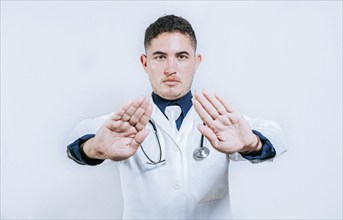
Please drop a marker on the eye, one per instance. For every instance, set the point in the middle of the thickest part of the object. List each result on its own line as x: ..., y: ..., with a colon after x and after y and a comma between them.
x: 182, y: 57
x: 160, y: 57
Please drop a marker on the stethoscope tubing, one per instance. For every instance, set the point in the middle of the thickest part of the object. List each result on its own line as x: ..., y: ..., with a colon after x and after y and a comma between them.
x: 199, y: 153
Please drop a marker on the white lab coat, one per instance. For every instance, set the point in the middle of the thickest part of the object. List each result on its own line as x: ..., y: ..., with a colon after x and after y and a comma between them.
x: 180, y: 188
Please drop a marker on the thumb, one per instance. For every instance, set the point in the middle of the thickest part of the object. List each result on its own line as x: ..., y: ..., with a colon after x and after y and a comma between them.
x: 139, y: 138
x: 210, y: 135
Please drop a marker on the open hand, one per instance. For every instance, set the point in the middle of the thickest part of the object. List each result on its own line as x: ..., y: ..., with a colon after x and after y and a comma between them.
x: 121, y: 135
x: 225, y: 128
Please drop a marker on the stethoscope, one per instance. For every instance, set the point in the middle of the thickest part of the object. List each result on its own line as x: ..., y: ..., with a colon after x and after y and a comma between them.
x: 199, y: 153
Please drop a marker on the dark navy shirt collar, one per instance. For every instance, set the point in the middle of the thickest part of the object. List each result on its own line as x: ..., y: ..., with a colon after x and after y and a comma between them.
x: 184, y: 102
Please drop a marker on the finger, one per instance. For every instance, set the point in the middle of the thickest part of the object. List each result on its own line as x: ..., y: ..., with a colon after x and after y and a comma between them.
x: 227, y: 106
x: 139, y: 113
x: 112, y: 125
x: 205, y: 117
x: 224, y: 115
x: 139, y: 138
x: 141, y: 117
x: 143, y: 121
x: 209, y: 134
x: 146, y: 102
x: 118, y: 115
x: 136, y: 116
x: 132, y: 108
x: 124, y: 128
x: 215, y: 102
x: 235, y: 117
x: 207, y: 105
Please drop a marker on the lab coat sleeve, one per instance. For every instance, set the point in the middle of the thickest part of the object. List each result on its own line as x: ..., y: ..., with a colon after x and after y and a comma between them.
x: 86, y: 126
x: 272, y: 131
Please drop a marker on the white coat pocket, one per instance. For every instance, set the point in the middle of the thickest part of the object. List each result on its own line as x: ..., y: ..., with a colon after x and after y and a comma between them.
x: 209, y: 177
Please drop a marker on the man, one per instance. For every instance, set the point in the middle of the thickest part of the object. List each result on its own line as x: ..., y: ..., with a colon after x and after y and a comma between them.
x: 174, y: 149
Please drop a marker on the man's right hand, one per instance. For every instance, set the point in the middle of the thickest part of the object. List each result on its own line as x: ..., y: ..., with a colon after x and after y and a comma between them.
x: 121, y: 135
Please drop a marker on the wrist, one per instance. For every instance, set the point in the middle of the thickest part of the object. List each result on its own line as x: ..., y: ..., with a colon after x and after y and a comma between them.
x: 258, y: 144
x: 254, y: 147
x: 87, y: 150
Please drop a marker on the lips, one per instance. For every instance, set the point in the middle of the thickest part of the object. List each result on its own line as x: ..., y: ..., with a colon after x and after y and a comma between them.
x: 171, y: 81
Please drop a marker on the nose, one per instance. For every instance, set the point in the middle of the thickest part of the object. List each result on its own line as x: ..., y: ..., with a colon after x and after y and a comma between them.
x: 170, y: 67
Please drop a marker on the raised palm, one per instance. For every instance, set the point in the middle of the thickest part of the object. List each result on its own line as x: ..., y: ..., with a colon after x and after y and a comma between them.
x: 121, y: 135
x: 226, y: 129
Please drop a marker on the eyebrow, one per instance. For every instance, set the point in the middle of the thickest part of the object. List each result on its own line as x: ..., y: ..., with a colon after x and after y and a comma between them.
x: 159, y: 53
x: 182, y: 53
x: 177, y: 54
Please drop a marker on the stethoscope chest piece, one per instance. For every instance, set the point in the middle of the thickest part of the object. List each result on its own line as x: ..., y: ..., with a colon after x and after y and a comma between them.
x: 201, y: 153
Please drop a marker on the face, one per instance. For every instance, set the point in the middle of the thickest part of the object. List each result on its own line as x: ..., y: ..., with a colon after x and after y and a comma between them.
x: 170, y: 63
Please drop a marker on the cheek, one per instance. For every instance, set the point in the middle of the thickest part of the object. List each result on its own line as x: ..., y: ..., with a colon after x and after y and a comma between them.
x: 152, y: 70
x: 154, y: 75
x: 155, y: 66
x: 190, y: 70
x: 188, y: 66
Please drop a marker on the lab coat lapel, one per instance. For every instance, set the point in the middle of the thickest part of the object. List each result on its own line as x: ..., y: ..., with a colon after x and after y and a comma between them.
x: 162, y: 122
x: 191, y: 119
x: 188, y: 122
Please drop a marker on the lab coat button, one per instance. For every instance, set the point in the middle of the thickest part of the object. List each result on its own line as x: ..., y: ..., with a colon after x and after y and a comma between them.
x: 176, y: 186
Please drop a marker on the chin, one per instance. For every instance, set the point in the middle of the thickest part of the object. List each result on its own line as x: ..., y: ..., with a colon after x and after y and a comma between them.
x: 170, y: 93
x: 175, y: 96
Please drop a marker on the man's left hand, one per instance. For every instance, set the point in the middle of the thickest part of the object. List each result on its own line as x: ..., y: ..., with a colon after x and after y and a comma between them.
x: 225, y: 128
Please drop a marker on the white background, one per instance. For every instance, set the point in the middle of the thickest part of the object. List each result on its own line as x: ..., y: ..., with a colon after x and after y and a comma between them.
x: 65, y: 61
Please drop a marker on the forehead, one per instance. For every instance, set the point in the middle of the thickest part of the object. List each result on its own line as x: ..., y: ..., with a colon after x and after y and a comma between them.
x: 171, y: 42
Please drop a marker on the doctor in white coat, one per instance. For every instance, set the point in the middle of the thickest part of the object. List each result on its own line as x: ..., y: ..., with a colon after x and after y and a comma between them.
x: 162, y: 162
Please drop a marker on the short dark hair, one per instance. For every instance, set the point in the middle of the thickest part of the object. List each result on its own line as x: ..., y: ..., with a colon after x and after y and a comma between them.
x: 169, y: 23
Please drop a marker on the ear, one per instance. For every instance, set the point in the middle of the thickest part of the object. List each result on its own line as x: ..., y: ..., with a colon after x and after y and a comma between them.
x: 198, y: 59
x: 143, y: 60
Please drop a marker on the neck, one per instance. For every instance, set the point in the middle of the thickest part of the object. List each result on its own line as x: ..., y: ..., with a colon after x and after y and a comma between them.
x: 185, y: 102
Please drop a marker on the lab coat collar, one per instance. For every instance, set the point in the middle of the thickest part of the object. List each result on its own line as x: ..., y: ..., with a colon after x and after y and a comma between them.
x: 184, y: 102
x: 162, y: 122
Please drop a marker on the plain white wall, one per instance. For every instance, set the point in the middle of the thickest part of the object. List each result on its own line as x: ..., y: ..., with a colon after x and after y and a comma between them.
x: 65, y: 61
